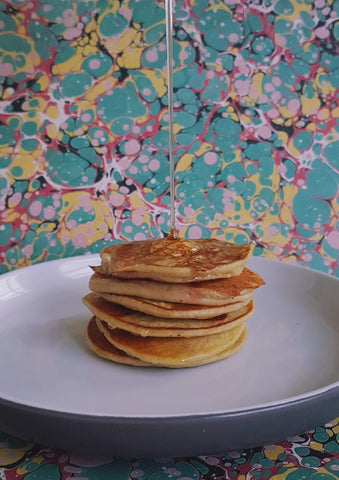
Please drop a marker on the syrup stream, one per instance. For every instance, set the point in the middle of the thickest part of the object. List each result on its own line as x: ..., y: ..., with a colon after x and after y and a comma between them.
x: 169, y: 45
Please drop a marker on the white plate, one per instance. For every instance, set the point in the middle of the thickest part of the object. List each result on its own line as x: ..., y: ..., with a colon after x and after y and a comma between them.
x: 290, y: 362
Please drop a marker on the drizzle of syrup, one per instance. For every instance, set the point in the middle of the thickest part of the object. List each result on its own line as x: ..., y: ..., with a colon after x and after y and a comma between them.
x: 171, y: 140
x: 173, y: 234
x: 172, y: 245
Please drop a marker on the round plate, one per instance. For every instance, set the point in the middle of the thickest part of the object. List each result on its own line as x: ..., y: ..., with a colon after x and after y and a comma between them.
x: 55, y: 391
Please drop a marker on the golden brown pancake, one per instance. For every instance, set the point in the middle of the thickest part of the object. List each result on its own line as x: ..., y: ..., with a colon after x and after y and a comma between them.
x: 171, y: 310
x: 231, y: 350
x: 209, y: 292
x: 98, y: 343
x: 116, y: 316
x: 174, y: 260
x: 171, y: 352
x: 170, y: 302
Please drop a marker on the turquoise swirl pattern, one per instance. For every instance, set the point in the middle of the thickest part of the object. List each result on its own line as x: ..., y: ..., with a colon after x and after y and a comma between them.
x: 83, y: 126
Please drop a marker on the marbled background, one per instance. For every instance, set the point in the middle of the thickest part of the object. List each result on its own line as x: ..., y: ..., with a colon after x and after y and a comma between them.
x: 83, y: 162
x: 83, y: 132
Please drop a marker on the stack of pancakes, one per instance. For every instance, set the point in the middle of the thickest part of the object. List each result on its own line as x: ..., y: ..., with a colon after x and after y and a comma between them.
x: 170, y: 302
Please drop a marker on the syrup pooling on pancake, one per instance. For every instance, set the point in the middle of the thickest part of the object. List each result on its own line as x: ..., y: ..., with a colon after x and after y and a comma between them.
x: 174, y: 259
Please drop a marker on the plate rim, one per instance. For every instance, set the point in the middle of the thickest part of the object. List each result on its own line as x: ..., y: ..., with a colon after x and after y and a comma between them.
x: 228, y: 413
x: 186, y: 436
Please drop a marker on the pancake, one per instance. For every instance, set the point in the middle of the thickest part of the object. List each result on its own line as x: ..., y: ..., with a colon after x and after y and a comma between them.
x: 209, y: 292
x: 170, y: 302
x: 98, y: 343
x: 116, y: 316
x: 170, y: 309
x: 174, y: 260
x: 234, y: 348
x: 172, y: 352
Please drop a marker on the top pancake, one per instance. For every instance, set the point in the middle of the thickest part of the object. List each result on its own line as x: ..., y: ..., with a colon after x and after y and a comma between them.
x: 174, y: 260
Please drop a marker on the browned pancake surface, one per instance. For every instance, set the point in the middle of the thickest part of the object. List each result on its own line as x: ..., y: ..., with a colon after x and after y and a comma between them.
x: 98, y: 343
x: 208, y: 292
x: 144, y: 325
x: 231, y: 350
x: 175, y: 260
x: 175, y: 352
x: 169, y: 309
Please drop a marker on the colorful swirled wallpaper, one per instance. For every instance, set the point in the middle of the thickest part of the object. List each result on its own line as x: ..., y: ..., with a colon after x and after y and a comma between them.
x: 84, y: 126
